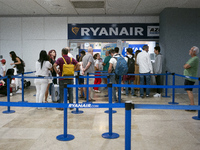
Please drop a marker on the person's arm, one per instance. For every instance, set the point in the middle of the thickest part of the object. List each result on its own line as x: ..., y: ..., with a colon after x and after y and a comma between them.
x: 55, y: 68
x: 4, y: 73
x: 186, y: 66
x: 77, y: 67
x: 149, y: 64
x: 87, y: 66
x: 110, y: 68
x: 16, y: 63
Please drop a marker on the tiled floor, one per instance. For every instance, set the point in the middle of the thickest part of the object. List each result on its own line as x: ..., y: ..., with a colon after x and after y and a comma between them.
x: 32, y: 129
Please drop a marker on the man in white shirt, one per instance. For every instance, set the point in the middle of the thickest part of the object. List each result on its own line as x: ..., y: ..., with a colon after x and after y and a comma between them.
x: 112, y: 66
x: 145, y: 67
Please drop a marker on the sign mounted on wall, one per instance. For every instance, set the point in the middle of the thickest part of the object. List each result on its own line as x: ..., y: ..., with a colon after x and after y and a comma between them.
x: 114, y: 31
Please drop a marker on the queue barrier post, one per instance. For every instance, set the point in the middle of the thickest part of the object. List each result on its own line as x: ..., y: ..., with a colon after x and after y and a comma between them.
x: 110, y: 134
x: 198, y: 116
x: 110, y: 98
x: 119, y: 90
x: 166, y: 83
x: 22, y: 80
x: 173, y: 91
x: 128, y: 106
x: 65, y: 136
x: 8, y: 111
x: 77, y: 111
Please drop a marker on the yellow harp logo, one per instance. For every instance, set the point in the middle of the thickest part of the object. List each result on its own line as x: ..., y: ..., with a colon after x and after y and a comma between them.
x: 75, y: 30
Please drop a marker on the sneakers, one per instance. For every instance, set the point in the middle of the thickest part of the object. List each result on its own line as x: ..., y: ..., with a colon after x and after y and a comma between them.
x: 157, y: 95
x: 122, y: 92
x: 49, y: 96
x: 19, y: 91
x: 97, y: 91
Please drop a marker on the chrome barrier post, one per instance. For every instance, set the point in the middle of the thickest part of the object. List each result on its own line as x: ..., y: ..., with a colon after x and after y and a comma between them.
x: 110, y: 134
x: 77, y: 111
x: 22, y: 80
x: 128, y: 106
x: 198, y: 116
x: 8, y: 111
x: 65, y: 136
x: 110, y: 97
x: 166, y: 83
x: 173, y: 91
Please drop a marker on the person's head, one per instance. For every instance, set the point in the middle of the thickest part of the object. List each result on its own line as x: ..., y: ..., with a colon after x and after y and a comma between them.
x: 107, y: 53
x: 145, y: 48
x: 137, y: 52
x: 129, y: 51
x: 157, y: 50
x: 13, y: 55
x: 90, y: 50
x: 68, y: 49
x: 96, y: 56
x: 43, y: 57
x: 116, y: 49
x: 82, y: 53
x: 194, y: 51
x: 52, y: 54
x: 3, y: 61
x: 65, y: 51
x: 112, y: 52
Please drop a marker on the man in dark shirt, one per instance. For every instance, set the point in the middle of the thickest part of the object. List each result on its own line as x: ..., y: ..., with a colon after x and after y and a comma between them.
x: 60, y: 63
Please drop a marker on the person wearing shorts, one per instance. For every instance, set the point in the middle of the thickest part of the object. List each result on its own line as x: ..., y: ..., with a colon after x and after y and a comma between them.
x: 88, y: 67
x: 191, y: 69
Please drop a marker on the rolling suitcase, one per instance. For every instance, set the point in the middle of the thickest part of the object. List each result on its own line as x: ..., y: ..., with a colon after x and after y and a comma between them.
x: 55, y: 92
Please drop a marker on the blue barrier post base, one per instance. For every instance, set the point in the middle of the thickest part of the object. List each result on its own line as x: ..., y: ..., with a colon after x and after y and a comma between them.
x: 110, y: 136
x: 113, y: 111
x: 62, y: 137
x: 77, y: 111
x: 196, y: 118
x: 173, y: 103
x: 8, y: 111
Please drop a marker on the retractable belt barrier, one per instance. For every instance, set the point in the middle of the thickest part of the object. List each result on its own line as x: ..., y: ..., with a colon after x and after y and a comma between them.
x: 127, y: 105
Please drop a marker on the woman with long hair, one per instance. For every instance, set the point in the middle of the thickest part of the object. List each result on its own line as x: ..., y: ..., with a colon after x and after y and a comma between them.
x: 52, y: 56
x: 96, y: 65
x: 42, y: 70
x: 19, y: 64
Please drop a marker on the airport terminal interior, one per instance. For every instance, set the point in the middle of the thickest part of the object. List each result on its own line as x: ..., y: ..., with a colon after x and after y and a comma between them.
x: 28, y: 27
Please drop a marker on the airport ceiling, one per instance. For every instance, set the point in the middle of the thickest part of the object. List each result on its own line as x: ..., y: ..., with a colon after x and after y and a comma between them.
x: 90, y: 7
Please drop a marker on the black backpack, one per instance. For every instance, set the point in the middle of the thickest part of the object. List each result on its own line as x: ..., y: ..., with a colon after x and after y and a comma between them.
x: 131, y: 65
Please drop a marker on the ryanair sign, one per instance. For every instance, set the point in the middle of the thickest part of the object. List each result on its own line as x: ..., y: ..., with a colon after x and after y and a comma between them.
x: 114, y: 31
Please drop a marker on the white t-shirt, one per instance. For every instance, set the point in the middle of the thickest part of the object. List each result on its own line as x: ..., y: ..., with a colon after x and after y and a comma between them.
x: 96, y: 62
x: 113, y: 61
x: 144, y: 62
x: 3, y: 68
x: 44, y: 71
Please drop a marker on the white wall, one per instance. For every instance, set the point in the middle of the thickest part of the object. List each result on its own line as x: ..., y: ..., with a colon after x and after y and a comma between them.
x: 27, y: 36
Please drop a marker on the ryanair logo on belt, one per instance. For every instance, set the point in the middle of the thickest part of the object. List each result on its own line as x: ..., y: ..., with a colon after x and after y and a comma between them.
x: 75, y: 30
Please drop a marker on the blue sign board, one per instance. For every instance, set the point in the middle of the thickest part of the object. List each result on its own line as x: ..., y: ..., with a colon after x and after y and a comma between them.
x: 114, y: 31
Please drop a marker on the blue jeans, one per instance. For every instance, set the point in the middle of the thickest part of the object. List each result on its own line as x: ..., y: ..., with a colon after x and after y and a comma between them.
x: 148, y: 80
x: 112, y: 80
x: 70, y: 90
x: 132, y: 89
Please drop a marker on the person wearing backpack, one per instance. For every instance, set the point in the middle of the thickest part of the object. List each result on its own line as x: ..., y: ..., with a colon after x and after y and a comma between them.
x: 118, y: 66
x: 63, y: 61
x: 129, y: 79
x: 145, y: 68
x: 19, y: 64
